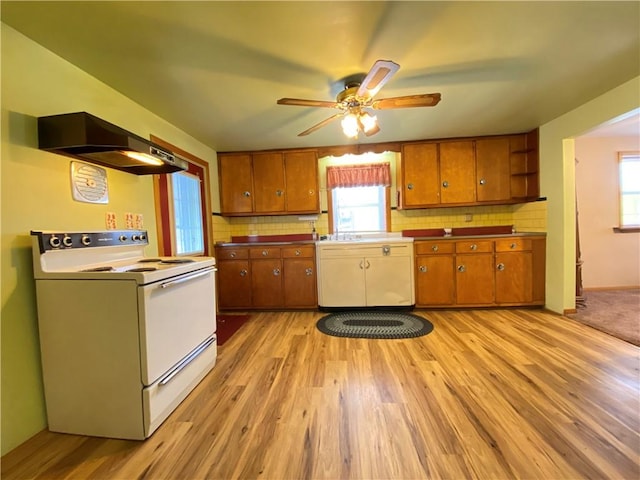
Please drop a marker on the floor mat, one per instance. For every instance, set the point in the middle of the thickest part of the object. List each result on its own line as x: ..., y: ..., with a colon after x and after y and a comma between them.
x: 374, y: 324
x: 227, y: 325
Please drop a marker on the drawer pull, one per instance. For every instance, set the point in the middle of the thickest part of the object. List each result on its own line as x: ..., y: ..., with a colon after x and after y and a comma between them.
x: 435, y: 248
x: 264, y: 253
x: 445, y: 184
x: 298, y: 252
x: 247, y: 194
x: 410, y: 186
x: 309, y: 272
x: 473, y: 247
x: 513, y: 245
x: 276, y: 272
x: 500, y: 266
x: 243, y: 272
x: 422, y: 268
x: 232, y: 254
x: 461, y: 268
x: 278, y: 193
x: 482, y: 181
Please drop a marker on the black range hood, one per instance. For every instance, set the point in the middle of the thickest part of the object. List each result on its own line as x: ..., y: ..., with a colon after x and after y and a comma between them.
x: 86, y: 137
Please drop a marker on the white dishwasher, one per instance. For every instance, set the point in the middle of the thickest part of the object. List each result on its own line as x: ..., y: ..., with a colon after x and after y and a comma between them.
x: 366, y: 273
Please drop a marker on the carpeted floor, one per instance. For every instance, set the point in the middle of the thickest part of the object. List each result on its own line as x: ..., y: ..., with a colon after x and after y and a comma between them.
x: 616, y: 312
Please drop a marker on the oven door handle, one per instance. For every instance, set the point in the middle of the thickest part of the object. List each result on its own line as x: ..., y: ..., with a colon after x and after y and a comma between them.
x: 187, y: 360
x: 171, y: 283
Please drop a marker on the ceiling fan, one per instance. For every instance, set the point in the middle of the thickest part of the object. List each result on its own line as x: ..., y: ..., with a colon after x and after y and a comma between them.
x: 358, y: 96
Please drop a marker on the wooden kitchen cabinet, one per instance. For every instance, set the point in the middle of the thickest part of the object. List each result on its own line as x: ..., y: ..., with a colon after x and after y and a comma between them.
x: 419, y: 178
x: 475, y: 283
x: 266, y: 277
x: 478, y: 272
x: 435, y: 273
x: 524, y: 160
x: 268, y: 183
x: 493, y: 169
x: 457, y: 172
x: 299, y: 280
x: 236, y: 183
x: 233, y: 283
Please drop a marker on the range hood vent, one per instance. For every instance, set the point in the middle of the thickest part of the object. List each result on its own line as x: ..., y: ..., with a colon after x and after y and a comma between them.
x: 85, y: 137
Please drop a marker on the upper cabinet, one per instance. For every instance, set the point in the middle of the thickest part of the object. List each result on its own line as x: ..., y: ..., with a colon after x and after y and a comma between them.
x: 268, y: 183
x: 475, y: 171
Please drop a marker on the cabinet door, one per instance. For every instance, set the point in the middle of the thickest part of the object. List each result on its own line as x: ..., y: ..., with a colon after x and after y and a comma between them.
x: 389, y: 281
x: 514, y: 277
x: 266, y: 283
x: 493, y: 169
x: 268, y: 182
x: 342, y: 282
x: 236, y: 184
x: 474, y: 279
x: 457, y: 172
x: 234, y: 284
x: 301, y: 180
x: 299, y: 283
x: 435, y: 280
x: 420, y: 180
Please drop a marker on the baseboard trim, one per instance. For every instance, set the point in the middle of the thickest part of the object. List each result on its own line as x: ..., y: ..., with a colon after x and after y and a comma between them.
x: 604, y: 289
x: 569, y: 311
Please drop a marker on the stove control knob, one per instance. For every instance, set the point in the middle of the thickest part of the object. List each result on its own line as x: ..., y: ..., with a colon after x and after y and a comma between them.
x: 135, y: 237
x: 122, y: 238
x: 67, y: 241
x: 54, y: 241
x: 86, y: 240
x: 143, y: 237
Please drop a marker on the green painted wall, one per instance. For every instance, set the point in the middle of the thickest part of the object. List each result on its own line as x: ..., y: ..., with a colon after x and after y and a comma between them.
x: 557, y: 168
x: 36, y: 194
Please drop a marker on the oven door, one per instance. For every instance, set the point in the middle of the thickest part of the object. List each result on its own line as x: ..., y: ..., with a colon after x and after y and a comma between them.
x: 176, y: 315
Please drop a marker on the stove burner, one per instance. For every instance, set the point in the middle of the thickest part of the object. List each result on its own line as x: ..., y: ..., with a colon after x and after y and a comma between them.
x: 150, y: 260
x: 98, y: 269
x: 178, y: 260
x: 142, y: 269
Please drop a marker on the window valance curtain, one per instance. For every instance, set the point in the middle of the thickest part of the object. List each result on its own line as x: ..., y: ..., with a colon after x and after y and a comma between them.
x: 366, y: 175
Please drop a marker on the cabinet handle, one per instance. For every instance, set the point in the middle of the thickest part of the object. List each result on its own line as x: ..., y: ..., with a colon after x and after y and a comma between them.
x: 264, y: 253
x: 473, y: 247
x: 247, y: 194
x: 232, y: 254
x: 309, y: 272
x: 482, y: 181
x: 445, y: 184
x: 367, y: 264
x: 276, y: 272
x: 410, y: 186
x: 278, y: 193
x: 500, y: 266
x: 461, y: 268
x: 298, y: 252
x: 243, y: 272
x: 435, y: 248
x: 311, y: 192
x: 513, y: 245
x: 422, y: 268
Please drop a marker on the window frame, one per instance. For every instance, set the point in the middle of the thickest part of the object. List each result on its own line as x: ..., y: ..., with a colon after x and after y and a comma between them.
x: 622, y: 227
x: 387, y: 208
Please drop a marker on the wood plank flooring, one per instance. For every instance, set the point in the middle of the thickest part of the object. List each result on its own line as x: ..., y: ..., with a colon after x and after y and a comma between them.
x: 489, y: 394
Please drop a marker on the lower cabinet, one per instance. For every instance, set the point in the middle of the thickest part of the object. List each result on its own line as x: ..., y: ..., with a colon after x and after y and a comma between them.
x: 480, y: 272
x: 266, y: 277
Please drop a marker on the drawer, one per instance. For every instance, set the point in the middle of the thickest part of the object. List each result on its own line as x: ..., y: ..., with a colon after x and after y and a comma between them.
x: 264, y: 252
x: 472, y: 246
x: 228, y: 253
x: 298, y: 251
x: 434, y: 248
x: 513, y: 244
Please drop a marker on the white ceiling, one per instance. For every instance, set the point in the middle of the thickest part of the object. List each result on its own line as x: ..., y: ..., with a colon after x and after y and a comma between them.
x: 216, y: 69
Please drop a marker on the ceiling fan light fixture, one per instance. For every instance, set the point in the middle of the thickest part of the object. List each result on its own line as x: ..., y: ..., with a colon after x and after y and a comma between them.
x: 350, y: 125
x: 368, y: 123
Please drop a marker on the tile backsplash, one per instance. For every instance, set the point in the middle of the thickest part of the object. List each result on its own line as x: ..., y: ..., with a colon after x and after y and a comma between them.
x: 526, y: 217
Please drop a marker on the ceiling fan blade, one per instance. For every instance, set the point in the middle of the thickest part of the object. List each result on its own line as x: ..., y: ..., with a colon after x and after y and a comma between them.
x: 306, y: 103
x: 379, y: 74
x: 424, y: 100
x: 319, y: 125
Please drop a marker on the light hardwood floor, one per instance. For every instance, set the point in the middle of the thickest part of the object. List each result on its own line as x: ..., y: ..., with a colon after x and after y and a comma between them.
x: 489, y: 394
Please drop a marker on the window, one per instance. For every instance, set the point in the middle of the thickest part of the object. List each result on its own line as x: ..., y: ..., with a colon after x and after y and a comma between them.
x: 359, y: 197
x: 629, y: 181
x: 359, y: 209
x: 187, y: 214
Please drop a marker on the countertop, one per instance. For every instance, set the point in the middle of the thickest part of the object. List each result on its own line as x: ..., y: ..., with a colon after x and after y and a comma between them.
x: 404, y: 236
